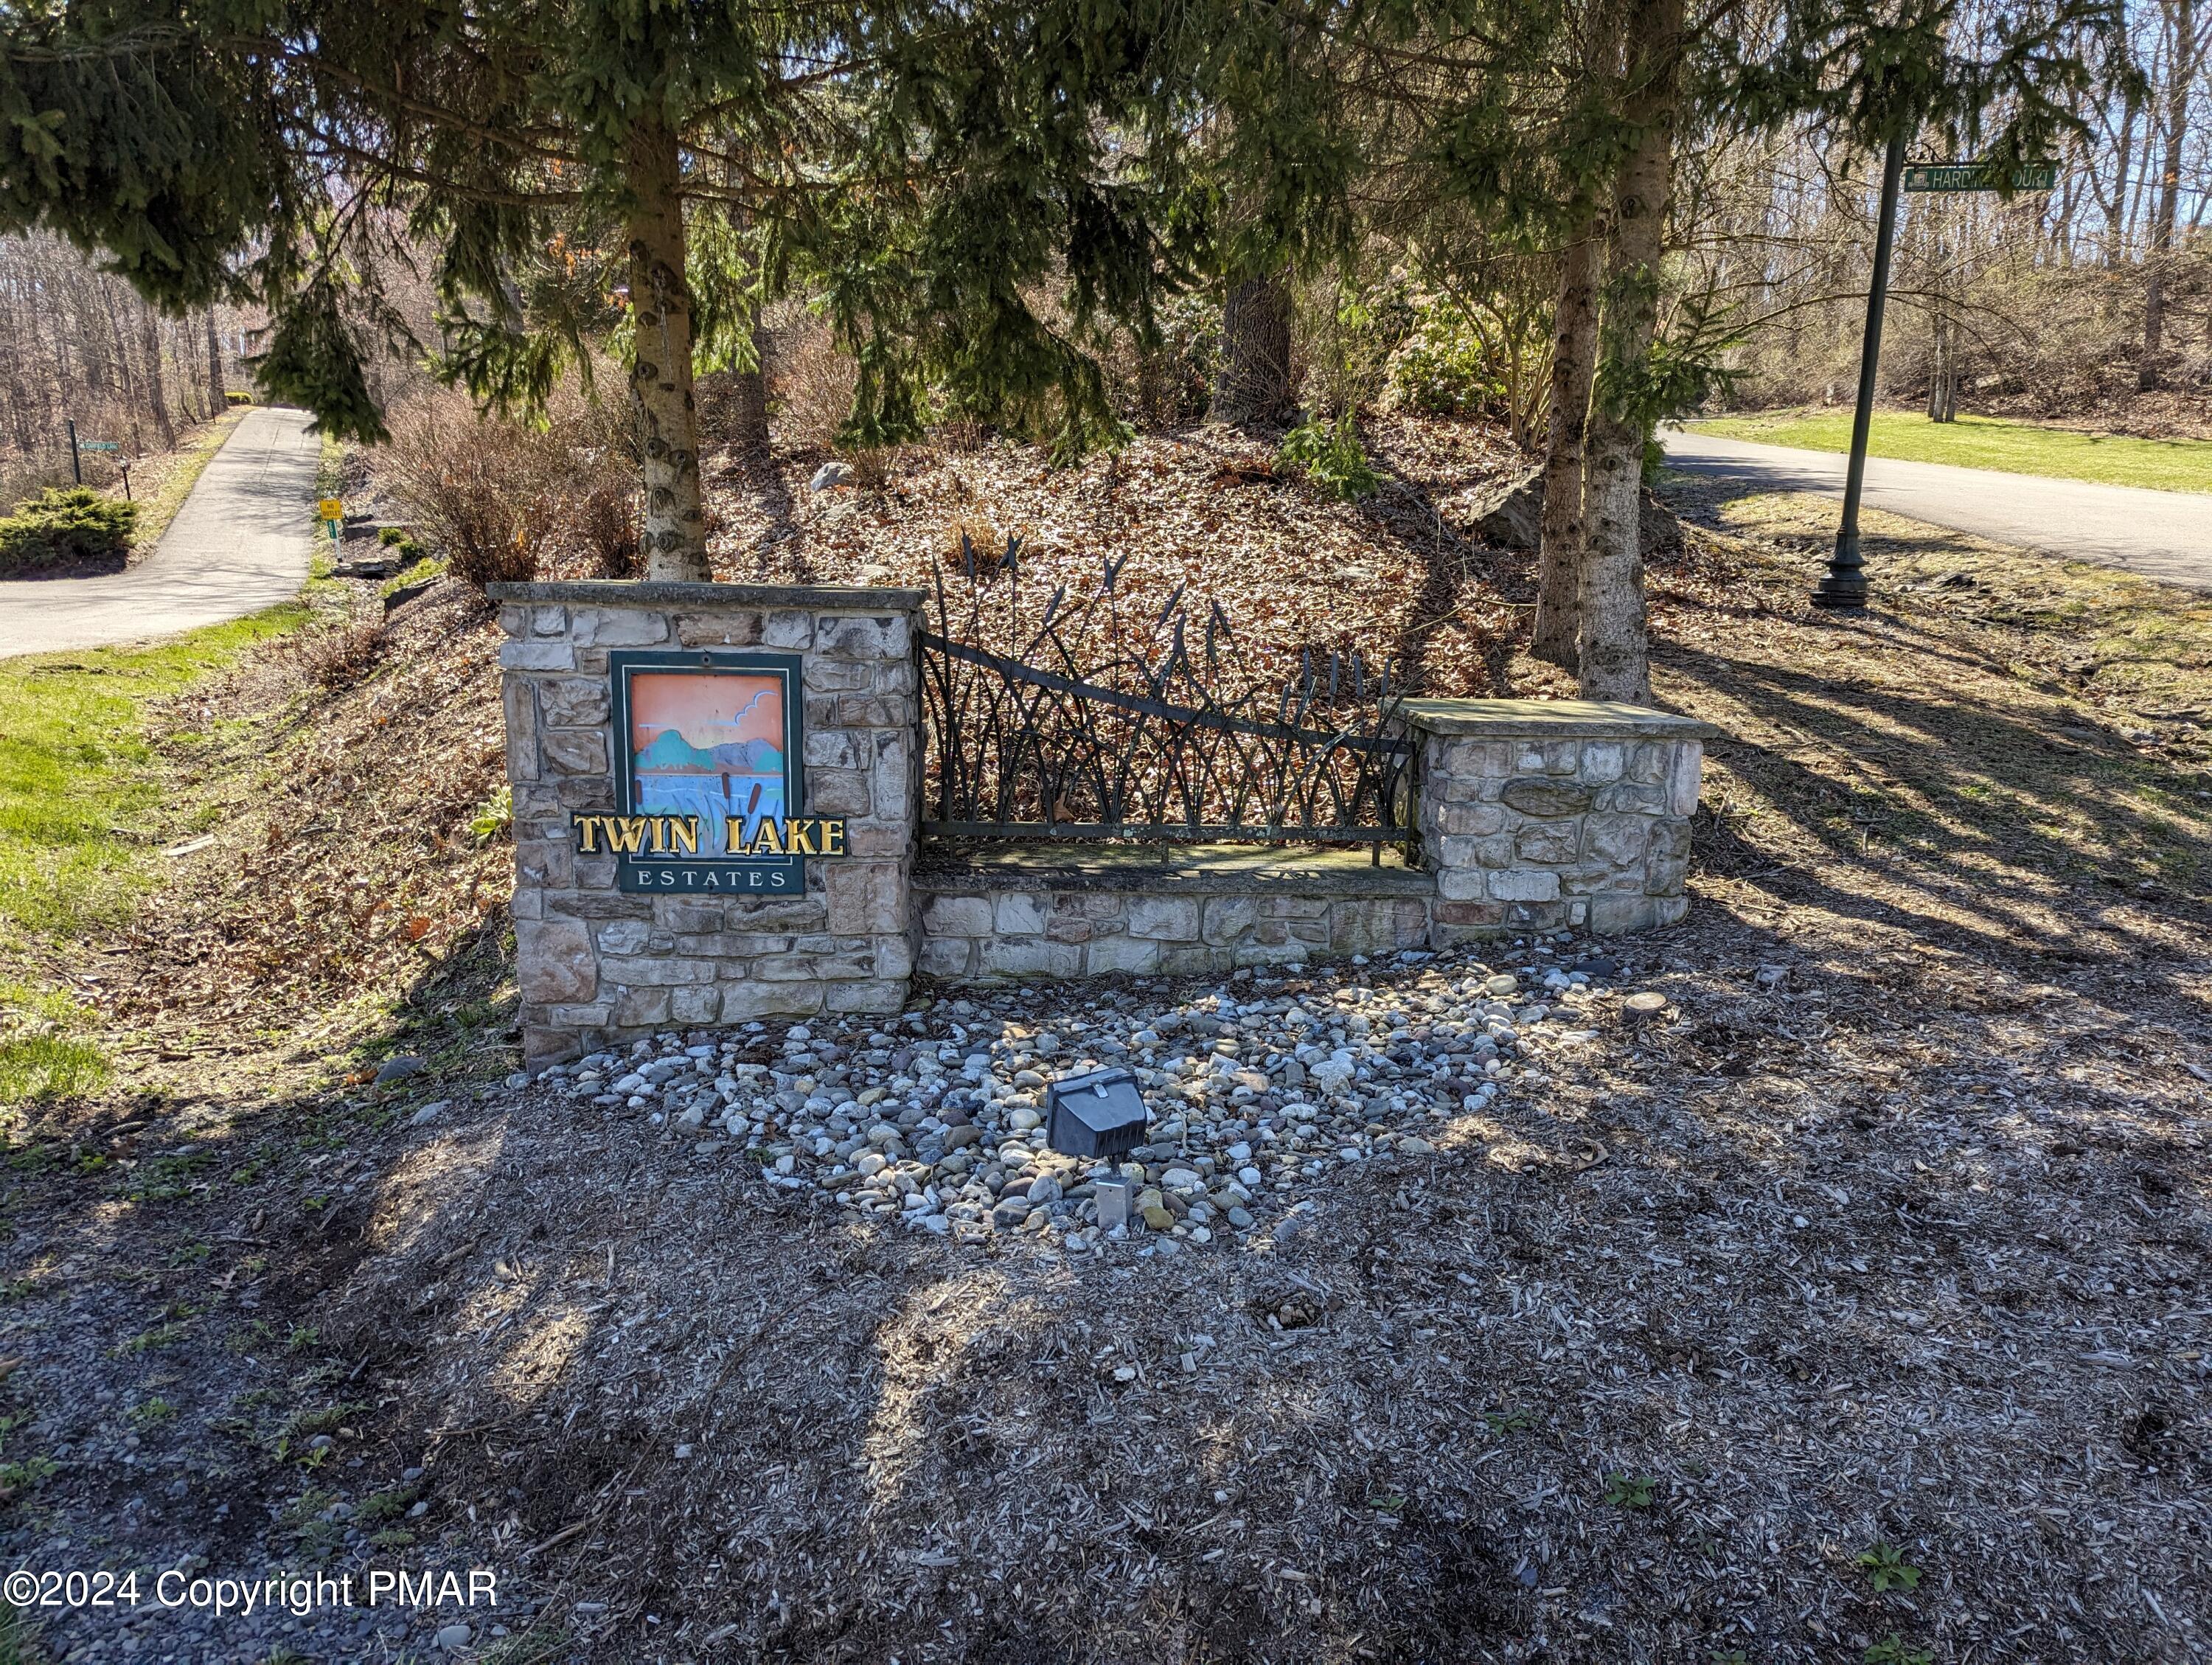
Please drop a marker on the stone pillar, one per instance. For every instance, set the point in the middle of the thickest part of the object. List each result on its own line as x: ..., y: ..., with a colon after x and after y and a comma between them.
x: 599, y: 964
x: 1539, y: 815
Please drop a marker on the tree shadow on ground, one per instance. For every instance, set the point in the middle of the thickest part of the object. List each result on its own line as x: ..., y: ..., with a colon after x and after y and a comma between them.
x: 1989, y: 824
x: 1453, y: 568
x: 769, y: 508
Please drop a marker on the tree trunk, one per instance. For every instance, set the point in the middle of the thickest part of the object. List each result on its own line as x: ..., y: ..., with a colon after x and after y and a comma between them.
x: 2116, y: 211
x: 1613, y: 656
x: 1943, y: 369
x: 108, y: 289
x: 149, y: 336
x: 673, y: 533
x: 1574, y: 363
x: 218, y: 395
x: 2181, y: 75
x: 748, y: 434
x: 1254, y: 386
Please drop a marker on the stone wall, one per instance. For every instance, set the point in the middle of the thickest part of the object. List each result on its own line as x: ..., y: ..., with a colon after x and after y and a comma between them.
x: 1530, y: 815
x: 1078, y: 911
x: 596, y: 964
x: 1538, y: 814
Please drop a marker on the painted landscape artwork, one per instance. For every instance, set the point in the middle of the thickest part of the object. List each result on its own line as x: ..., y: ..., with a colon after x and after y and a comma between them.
x: 708, y: 744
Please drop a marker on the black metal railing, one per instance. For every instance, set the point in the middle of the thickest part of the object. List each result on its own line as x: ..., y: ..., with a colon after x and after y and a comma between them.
x: 1102, y: 718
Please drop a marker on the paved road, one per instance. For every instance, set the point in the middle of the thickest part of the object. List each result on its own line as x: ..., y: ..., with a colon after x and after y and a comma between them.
x: 2162, y: 534
x: 239, y: 543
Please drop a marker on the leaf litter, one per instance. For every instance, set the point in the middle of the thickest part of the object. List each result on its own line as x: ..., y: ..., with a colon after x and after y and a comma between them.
x: 1885, y: 1237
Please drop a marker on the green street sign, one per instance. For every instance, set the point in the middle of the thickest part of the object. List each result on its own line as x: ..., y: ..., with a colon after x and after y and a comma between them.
x: 99, y: 444
x: 1978, y: 176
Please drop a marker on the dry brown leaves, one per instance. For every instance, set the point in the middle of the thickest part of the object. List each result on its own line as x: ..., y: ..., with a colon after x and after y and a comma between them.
x: 345, y: 871
x: 1898, y: 1237
x: 1204, y: 509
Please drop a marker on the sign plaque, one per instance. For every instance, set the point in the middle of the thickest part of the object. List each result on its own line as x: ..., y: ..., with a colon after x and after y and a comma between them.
x: 1978, y: 176
x: 709, y: 776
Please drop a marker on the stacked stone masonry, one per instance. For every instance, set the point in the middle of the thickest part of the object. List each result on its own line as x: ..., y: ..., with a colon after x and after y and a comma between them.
x: 1203, y: 917
x: 1535, y: 815
x: 596, y: 964
x: 1529, y: 816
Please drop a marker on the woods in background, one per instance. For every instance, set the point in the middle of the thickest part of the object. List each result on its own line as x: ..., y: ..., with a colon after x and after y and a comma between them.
x: 2066, y: 305
x: 77, y: 343
x: 1577, y: 217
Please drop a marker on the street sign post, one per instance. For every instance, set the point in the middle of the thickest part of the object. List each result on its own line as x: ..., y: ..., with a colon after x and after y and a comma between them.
x: 1844, y: 588
x: 332, y: 509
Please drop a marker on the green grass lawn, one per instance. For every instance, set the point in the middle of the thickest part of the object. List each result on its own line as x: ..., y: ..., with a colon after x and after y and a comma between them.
x: 1988, y: 442
x: 82, y: 820
x: 79, y: 810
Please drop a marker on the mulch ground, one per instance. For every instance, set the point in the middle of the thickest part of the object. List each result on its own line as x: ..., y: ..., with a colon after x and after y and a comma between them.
x: 1853, y: 1312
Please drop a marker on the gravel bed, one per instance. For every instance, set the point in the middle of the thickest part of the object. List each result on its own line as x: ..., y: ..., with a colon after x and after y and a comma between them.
x: 935, y: 1121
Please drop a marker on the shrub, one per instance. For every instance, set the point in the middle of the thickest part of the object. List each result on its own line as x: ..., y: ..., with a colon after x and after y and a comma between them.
x: 606, y: 522
x: 505, y: 501
x: 480, y: 488
x: 1443, y: 367
x: 1330, y: 456
x: 65, y: 523
x: 335, y: 656
x: 811, y: 380
x: 1347, y: 325
x: 1171, y: 382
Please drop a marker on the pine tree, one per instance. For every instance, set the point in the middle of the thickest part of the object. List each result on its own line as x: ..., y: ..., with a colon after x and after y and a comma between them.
x: 545, y: 152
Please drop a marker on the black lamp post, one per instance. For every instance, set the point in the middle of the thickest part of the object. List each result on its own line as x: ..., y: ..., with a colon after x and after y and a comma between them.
x: 1845, y: 585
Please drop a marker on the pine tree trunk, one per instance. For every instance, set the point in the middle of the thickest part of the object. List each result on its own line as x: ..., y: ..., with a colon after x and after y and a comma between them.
x: 1254, y: 386
x: 1573, y: 363
x: 673, y: 533
x: 1613, y: 656
x: 218, y: 395
x: 748, y: 434
x: 2181, y: 75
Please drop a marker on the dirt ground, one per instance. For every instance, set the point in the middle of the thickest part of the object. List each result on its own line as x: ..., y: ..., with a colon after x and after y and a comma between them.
x: 1854, y: 1311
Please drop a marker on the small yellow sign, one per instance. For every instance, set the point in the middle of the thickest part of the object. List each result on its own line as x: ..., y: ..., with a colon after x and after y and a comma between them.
x: 331, y: 509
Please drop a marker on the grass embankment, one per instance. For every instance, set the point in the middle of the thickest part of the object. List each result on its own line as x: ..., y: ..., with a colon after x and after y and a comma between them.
x: 1988, y: 442
x: 82, y: 820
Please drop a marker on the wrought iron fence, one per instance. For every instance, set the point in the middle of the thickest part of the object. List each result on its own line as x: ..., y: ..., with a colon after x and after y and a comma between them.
x: 1099, y: 717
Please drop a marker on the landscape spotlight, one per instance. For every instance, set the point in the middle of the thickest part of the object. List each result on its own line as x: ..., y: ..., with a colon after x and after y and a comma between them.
x: 1098, y: 1116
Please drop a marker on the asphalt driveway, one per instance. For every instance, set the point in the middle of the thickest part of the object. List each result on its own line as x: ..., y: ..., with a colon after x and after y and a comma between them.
x: 239, y: 543
x: 2161, y: 534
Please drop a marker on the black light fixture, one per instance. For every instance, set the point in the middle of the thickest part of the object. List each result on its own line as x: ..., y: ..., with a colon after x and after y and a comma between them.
x: 1100, y: 1116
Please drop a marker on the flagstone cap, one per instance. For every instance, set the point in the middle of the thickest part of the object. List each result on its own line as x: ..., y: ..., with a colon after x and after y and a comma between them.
x: 1558, y: 720
x: 622, y: 592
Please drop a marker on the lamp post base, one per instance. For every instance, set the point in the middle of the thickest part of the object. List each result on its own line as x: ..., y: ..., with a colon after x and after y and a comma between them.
x: 1844, y: 588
